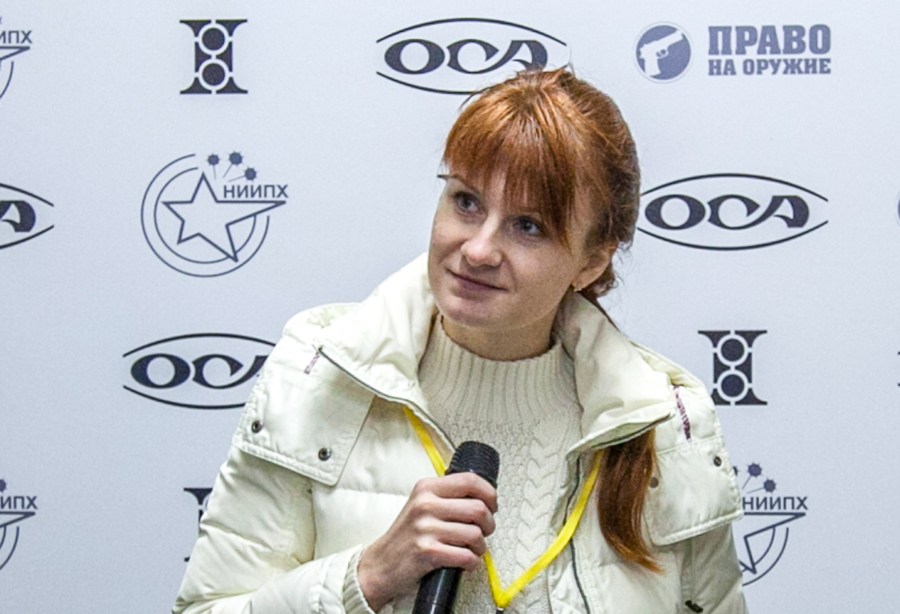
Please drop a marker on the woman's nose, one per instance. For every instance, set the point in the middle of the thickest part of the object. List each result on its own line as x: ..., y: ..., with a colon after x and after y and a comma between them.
x: 483, y: 247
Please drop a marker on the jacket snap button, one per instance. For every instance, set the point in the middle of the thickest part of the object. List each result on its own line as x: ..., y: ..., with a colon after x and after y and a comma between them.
x: 654, y: 482
x: 324, y: 454
x: 256, y: 426
x: 717, y: 461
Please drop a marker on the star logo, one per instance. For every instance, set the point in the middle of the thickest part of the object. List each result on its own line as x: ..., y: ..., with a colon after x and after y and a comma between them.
x: 8, y: 52
x: 210, y: 219
x: 765, y: 537
x: 762, y: 535
x: 208, y: 215
x: 8, y: 67
x: 9, y: 519
x: 9, y: 534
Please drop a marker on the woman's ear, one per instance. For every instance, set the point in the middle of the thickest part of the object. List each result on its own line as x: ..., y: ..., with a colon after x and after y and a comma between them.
x: 596, y: 262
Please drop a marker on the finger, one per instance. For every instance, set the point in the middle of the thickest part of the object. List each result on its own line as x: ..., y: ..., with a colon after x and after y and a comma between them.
x: 466, y: 536
x: 451, y: 545
x: 471, y: 512
x: 463, y: 485
x: 430, y: 529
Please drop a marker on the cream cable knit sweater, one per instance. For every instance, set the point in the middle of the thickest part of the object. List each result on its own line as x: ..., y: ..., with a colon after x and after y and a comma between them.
x: 528, y: 411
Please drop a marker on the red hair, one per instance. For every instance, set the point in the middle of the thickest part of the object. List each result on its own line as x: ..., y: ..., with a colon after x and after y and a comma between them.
x: 555, y: 138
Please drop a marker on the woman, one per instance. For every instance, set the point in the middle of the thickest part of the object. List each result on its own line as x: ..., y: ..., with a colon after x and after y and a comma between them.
x: 614, y: 477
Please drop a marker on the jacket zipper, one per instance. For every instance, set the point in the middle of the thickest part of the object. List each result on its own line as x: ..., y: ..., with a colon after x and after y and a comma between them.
x: 579, y: 475
x: 420, y: 413
x: 581, y: 592
x: 399, y: 400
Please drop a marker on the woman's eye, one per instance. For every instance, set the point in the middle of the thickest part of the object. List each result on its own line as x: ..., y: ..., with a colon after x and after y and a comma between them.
x: 465, y: 202
x: 529, y: 227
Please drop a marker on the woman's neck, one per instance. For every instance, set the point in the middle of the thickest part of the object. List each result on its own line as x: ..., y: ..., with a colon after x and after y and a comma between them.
x: 517, y: 344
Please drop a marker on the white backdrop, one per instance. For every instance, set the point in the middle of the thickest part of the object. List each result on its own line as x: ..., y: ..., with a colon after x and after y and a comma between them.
x: 142, y: 279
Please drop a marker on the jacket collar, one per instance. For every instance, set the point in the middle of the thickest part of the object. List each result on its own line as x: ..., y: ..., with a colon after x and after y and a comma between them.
x: 382, y: 342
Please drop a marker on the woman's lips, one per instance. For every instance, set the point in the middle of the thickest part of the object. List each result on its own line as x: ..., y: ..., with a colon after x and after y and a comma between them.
x: 473, y: 283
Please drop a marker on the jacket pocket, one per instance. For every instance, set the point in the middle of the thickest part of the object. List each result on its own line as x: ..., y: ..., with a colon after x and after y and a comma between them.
x: 694, y: 491
x: 304, y: 420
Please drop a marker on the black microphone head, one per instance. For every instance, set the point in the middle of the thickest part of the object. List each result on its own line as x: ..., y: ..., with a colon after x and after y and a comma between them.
x: 478, y: 458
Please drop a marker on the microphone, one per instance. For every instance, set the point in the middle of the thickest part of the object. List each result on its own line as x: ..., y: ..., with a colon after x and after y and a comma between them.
x: 437, y: 591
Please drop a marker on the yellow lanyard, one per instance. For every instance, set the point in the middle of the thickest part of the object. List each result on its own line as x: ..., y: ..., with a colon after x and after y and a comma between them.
x: 502, y: 597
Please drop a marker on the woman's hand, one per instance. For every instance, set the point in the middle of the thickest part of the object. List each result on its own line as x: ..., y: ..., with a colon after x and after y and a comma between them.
x: 443, y: 524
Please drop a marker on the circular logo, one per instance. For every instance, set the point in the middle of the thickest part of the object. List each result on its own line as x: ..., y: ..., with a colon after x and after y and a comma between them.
x: 663, y: 52
x: 207, y: 216
x: 7, y: 66
x: 761, y: 537
x: 15, y: 510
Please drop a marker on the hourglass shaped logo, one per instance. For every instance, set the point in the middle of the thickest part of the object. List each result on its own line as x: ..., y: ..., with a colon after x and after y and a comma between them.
x: 213, y: 56
x: 733, y: 366
x: 202, y: 496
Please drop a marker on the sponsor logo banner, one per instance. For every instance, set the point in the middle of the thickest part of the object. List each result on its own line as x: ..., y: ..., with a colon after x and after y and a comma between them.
x: 213, y: 56
x: 13, y: 43
x: 197, y: 371
x: 664, y: 51
x: 762, y: 536
x: 464, y: 55
x: 769, y: 50
x: 730, y: 211
x: 733, y: 366
x: 14, y: 509
x: 23, y: 216
x: 207, y: 215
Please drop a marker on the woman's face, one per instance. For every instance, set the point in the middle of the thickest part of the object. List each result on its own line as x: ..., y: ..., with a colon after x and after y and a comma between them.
x: 497, y: 278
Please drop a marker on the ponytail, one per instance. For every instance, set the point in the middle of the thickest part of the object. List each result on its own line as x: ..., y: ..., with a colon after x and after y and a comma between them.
x: 625, y: 473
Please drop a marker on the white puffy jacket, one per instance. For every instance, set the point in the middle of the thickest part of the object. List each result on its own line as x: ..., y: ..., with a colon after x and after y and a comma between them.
x: 323, y: 460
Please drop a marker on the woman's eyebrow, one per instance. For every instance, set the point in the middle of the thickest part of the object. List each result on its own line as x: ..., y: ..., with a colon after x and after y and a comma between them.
x: 458, y: 178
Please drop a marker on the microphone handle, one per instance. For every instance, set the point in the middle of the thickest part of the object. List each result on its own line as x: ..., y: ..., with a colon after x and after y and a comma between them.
x: 437, y: 589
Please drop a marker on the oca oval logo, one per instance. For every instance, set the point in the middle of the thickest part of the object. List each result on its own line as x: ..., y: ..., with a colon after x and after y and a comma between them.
x: 23, y: 216
x: 730, y: 211
x: 199, y: 371
x: 465, y: 55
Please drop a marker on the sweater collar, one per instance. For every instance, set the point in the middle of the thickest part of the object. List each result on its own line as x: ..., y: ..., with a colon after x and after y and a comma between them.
x: 381, y: 341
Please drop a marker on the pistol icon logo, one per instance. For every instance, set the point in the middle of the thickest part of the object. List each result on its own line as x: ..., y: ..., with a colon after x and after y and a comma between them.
x: 663, y: 52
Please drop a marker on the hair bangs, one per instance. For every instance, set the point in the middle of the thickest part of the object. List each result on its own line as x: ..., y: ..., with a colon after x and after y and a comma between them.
x: 530, y: 149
